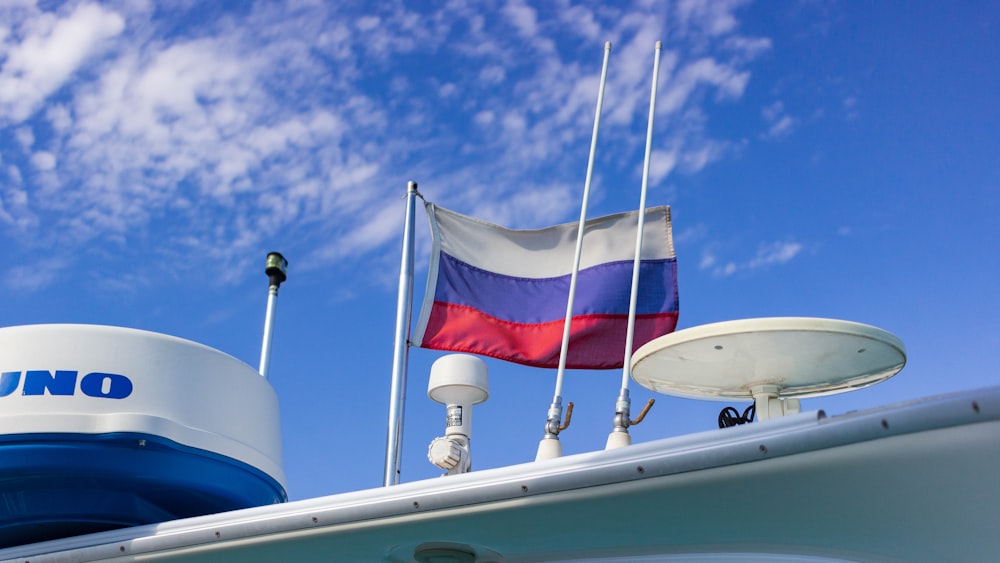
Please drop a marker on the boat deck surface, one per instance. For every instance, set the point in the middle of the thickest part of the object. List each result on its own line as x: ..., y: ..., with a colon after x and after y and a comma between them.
x: 910, y: 482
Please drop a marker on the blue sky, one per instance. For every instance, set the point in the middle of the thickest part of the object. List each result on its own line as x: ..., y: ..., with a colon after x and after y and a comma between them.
x: 822, y: 158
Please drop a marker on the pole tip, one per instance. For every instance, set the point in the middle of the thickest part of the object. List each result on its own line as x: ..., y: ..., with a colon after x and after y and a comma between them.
x: 659, y: 45
x: 607, y: 45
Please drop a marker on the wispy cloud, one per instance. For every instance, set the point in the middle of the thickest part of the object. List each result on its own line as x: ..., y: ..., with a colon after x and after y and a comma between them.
x: 41, y: 53
x: 523, y: 17
x: 31, y: 276
x: 775, y: 253
x: 779, y: 123
x: 850, y: 106
x: 713, y: 18
x: 192, y: 128
x: 769, y: 254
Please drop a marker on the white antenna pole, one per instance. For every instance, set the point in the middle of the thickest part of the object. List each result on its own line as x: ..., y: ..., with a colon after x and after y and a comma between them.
x: 550, y: 447
x: 276, y: 270
x: 619, y: 435
x: 404, y: 301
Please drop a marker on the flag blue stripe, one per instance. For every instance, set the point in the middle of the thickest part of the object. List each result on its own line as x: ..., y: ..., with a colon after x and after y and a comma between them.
x: 601, y: 290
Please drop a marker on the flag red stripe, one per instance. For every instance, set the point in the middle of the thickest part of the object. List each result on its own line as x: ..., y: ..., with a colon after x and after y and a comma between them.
x: 596, y: 341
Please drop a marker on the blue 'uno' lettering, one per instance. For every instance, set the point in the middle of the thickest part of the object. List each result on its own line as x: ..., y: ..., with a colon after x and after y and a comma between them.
x: 37, y: 382
x: 8, y: 382
x: 118, y: 386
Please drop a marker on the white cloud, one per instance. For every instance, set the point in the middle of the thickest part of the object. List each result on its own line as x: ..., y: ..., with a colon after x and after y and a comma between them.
x: 730, y: 83
x: 292, y: 119
x: 375, y: 230
x: 522, y: 17
x: 43, y: 160
x: 14, y: 175
x: 661, y: 163
x: 768, y: 254
x: 533, y: 209
x: 775, y: 253
x: 851, y: 107
x: 187, y: 112
x: 514, y: 123
x: 695, y: 158
x: 30, y: 277
x: 750, y: 47
x: 715, y: 18
x: 780, y: 124
x: 25, y: 137
x: 14, y: 200
x: 485, y: 117
x: 780, y: 128
x: 492, y: 74
x: 580, y: 20
x: 368, y: 23
x: 60, y: 118
x: 773, y: 111
x: 48, y: 52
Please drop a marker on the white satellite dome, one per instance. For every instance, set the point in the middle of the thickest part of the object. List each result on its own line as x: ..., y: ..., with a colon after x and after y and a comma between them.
x: 104, y: 427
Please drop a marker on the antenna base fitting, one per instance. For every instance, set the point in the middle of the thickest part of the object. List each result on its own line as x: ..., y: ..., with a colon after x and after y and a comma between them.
x: 554, y: 424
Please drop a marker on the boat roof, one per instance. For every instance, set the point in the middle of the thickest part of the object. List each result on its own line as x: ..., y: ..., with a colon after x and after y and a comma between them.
x: 904, y: 482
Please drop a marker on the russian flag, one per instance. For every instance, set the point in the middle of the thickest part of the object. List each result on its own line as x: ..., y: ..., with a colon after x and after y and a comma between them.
x: 502, y: 293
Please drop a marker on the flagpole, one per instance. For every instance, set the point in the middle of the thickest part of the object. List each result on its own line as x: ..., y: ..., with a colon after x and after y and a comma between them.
x: 550, y: 447
x: 404, y: 302
x: 276, y: 269
x: 619, y: 436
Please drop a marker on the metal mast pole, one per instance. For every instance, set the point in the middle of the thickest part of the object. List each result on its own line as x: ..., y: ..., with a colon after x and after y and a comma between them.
x: 276, y: 270
x: 404, y: 301
x: 619, y: 435
x: 550, y: 447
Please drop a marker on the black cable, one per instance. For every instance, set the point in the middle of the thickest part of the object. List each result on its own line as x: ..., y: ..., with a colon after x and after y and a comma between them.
x: 732, y: 417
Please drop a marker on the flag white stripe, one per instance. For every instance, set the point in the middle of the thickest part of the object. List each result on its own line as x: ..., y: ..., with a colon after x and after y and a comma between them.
x: 546, y: 253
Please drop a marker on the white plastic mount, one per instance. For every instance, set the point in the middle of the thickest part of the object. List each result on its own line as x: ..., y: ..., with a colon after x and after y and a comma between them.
x: 457, y: 381
x: 618, y: 439
x: 549, y: 448
x: 769, y: 404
